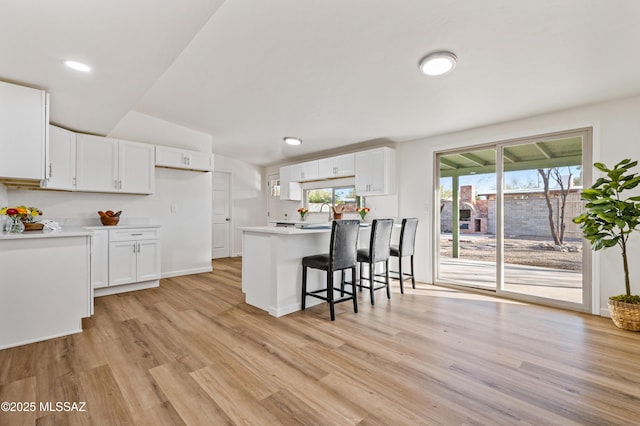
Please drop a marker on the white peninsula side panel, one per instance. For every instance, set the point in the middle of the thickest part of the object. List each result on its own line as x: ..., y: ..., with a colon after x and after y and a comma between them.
x: 45, y: 287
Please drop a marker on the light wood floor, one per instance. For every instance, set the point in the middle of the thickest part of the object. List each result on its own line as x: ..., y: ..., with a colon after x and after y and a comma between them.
x: 191, y: 352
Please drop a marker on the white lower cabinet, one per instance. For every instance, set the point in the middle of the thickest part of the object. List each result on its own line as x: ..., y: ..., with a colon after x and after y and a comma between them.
x: 132, y: 256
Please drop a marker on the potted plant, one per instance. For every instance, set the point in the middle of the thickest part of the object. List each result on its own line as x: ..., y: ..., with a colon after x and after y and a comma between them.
x: 609, y: 220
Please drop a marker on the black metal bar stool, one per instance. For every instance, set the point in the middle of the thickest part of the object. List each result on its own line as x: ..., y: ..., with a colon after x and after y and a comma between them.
x: 406, y: 247
x: 378, y: 251
x: 342, y: 255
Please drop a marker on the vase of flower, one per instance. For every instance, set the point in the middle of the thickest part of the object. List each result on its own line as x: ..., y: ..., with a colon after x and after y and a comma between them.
x: 19, y: 216
x: 16, y: 226
x: 362, y: 211
x: 303, y: 212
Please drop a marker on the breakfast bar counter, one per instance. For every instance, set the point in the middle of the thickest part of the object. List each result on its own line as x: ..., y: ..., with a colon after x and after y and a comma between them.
x: 272, y: 265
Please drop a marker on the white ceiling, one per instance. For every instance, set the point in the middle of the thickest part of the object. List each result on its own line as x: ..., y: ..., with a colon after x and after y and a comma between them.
x: 332, y: 72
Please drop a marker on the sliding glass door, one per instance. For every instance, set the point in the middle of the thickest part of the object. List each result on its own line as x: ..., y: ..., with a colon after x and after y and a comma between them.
x: 467, y: 240
x: 505, y: 219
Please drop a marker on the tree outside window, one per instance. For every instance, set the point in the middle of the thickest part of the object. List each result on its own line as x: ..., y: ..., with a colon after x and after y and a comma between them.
x: 322, y: 199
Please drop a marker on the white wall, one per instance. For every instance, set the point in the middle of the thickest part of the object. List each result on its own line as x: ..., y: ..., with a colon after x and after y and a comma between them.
x: 616, y: 130
x: 186, y: 234
x: 248, y: 192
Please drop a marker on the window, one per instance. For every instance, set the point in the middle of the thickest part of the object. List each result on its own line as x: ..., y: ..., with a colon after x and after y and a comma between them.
x: 274, y: 187
x: 321, y: 199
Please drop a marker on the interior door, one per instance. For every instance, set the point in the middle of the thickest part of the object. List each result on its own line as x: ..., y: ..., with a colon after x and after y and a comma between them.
x: 221, y: 246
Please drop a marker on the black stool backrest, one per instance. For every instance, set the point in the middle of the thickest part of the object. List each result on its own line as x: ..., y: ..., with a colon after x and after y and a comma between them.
x: 379, y: 247
x: 344, y: 244
x: 408, y: 236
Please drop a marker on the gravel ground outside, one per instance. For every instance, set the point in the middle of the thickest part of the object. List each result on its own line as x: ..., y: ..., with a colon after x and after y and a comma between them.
x: 530, y: 251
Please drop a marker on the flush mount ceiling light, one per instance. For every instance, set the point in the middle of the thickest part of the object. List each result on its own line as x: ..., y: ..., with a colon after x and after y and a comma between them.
x: 291, y: 140
x: 438, y: 63
x: 78, y: 66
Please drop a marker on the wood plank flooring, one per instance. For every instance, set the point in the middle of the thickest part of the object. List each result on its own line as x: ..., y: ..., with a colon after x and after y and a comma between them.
x: 192, y: 352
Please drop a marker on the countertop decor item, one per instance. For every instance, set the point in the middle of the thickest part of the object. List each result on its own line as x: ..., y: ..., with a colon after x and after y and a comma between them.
x: 337, y: 212
x: 109, y: 218
x: 302, y: 212
x: 362, y: 211
x: 33, y: 226
x: 21, y: 217
x: 609, y: 220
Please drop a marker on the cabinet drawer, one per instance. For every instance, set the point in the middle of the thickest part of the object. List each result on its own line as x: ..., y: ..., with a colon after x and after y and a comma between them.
x: 134, y: 234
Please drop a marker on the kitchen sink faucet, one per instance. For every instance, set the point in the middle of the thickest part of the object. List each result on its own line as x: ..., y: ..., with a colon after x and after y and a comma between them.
x: 328, y: 205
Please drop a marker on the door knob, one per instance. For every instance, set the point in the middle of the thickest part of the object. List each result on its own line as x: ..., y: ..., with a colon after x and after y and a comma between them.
x: 227, y: 219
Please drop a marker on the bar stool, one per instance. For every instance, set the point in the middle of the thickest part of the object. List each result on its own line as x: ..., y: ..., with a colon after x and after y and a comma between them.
x: 378, y: 251
x: 406, y: 247
x: 342, y: 255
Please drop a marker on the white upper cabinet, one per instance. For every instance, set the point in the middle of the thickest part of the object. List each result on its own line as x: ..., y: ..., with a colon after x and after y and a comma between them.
x: 23, y: 132
x: 339, y: 166
x: 289, y: 190
x: 375, y: 172
x: 304, y: 171
x: 111, y: 165
x: 136, y: 171
x: 61, y: 171
x: 97, y: 163
x: 178, y: 158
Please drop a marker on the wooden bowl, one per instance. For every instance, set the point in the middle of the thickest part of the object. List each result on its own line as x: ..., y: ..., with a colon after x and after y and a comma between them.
x: 110, y: 221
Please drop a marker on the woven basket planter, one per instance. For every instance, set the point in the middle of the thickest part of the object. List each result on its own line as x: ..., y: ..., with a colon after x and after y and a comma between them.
x: 625, y: 315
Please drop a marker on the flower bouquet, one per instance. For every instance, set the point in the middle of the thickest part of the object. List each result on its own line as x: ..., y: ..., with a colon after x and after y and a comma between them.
x: 302, y: 212
x: 21, y: 217
x: 362, y: 211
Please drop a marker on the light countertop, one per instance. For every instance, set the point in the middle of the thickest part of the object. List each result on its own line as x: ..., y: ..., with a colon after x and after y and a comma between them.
x: 69, y: 231
x: 72, y: 231
x: 281, y: 230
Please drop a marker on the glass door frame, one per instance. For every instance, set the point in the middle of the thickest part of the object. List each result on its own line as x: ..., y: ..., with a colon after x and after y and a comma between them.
x: 587, y: 179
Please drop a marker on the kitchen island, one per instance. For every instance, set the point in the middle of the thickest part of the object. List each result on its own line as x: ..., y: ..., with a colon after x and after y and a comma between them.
x: 272, y: 265
x: 45, y: 285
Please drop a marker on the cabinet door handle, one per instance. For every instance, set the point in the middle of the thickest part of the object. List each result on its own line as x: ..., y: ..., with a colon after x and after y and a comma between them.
x: 50, y: 170
x: 135, y: 235
x: 134, y: 247
x: 138, y: 247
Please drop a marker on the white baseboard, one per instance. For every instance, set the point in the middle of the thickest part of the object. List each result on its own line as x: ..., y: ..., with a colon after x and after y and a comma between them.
x: 187, y: 272
x: 106, y: 291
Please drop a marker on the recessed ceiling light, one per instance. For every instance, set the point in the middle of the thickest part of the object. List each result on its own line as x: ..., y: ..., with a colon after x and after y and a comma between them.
x: 438, y: 63
x: 290, y: 140
x: 78, y: 66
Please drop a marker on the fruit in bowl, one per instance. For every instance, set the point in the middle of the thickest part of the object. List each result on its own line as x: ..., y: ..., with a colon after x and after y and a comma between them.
x: 109, y: 218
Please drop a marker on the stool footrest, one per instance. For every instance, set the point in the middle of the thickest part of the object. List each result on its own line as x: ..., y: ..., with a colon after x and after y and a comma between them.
x: 326, y: 299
